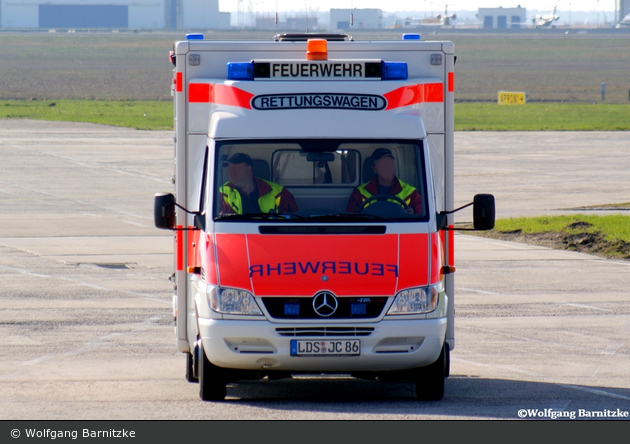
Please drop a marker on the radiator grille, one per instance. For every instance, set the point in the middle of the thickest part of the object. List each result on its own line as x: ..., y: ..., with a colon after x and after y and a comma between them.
x: 370, y: 308
x: 324, y: 331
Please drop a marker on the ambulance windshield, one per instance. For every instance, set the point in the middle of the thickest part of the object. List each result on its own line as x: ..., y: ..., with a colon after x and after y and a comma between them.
x: 320, y: 180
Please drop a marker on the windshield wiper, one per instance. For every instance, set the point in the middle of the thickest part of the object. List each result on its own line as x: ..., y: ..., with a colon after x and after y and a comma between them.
x: 261, y: 216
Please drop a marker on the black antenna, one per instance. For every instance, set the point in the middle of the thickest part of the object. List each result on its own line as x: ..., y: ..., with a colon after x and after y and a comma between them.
x: 306, y: 11
x: 351, y: 15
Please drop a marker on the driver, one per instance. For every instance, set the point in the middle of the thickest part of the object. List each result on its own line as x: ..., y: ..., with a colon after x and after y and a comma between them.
x: 246, y: 194
x: 385, y: 183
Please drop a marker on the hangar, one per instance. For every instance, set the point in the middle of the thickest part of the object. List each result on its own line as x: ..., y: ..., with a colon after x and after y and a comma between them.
x: 502, y: 18
x: 117, y: 14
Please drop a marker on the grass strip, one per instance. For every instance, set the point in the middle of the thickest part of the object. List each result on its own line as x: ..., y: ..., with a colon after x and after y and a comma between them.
x: 158, y: 115
x: 142, y: 115
x: 607, y: 236
x: 613, y: 226
x: 542, y: 117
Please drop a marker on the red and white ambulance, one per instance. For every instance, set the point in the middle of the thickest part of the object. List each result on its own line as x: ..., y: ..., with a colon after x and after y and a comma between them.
x: 323, y: 267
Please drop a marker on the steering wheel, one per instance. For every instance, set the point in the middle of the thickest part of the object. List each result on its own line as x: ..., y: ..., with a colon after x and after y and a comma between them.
x: 383, y: 198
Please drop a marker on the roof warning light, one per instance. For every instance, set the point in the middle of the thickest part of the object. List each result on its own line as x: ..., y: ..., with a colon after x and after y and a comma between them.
x: 316, y: 49
x: 411, y: 36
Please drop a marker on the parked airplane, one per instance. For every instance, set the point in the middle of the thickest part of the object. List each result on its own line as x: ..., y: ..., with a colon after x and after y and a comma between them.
x: 439, y: 20
x: 625, y: 23
x: 543, y: 22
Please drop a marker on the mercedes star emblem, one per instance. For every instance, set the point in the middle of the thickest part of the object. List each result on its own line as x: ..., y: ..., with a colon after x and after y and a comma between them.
x: 325, y: 304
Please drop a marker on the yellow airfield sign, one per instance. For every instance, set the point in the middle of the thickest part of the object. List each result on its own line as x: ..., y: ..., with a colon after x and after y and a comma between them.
x: 512, y: 98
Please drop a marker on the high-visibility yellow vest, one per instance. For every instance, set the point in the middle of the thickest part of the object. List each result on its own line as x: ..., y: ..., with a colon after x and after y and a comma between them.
x: 268, y: 202
x: 404, y: 194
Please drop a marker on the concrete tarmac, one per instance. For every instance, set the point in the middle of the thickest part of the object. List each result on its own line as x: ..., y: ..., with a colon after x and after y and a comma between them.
x: 85, y: 301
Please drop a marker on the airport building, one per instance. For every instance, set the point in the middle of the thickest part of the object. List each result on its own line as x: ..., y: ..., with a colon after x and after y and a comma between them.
x: 340, y: 19
x: 503, y: 18
x: 117, y: 14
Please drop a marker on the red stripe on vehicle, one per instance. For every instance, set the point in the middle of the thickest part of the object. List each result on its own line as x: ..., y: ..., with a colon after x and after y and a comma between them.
x: 414, y: 94
x: 451, y: 82
x: 451, y: 246
x: 199, y: 92
x: 437, y: 258
x: 228, y: 95
x: 232, y: 260
x: 208, y: 260
x: 413, y: 266
x: 193, y: 248
x: 434, y: 92
x: 179, y: 82
x: 219, y: 94
x: 447, y: 237
x: 179, y: 247
x: 404, y: 96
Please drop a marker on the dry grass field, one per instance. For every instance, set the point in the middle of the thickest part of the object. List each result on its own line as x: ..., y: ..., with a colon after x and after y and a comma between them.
x: 134, y: 66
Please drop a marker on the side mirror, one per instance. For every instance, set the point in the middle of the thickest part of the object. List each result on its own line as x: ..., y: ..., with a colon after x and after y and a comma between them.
x: 164, y: 211
x: 200, y: 221
x: 483, y: 212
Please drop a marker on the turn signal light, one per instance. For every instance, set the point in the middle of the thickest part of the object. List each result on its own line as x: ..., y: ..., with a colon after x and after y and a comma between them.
x: 316, y: 49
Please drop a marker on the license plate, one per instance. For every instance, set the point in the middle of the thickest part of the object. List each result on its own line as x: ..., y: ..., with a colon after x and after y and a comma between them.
x: 347, y: 347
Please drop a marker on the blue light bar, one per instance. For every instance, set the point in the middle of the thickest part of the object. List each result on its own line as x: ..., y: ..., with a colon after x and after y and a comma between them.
x: 411, y: 36
x: 358, y: 309
x: 394, y: 71
x: 194, y: 36
x: 292, y: 309
x: 240, y: 71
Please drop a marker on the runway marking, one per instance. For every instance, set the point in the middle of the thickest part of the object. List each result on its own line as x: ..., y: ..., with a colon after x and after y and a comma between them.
x: 38, y: 360
x: 99, y: 342
x: 612, y: 348
x: 477, y: 291
x: 137, y: 224
x: 596, y: 391
x: 508, y: 368
x: 609, y: 262
x: 93, y: 165
x: 556, y: 382
x: 523, y: 338
x: 87, y: 284
x: 583, y: 306
x: 80, y: 202
x: 23, y: 271
x: 486, y: 240
x: 91, y: 345
x: 559, y: 405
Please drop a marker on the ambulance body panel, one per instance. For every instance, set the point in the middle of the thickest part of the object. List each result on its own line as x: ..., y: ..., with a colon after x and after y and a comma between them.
x: 332, y: 286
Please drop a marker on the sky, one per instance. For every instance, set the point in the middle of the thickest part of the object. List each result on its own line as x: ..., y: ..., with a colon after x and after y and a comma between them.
x: 414, y: 5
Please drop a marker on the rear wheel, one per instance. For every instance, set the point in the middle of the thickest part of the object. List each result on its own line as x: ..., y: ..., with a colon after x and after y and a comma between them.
x: 430, y: 379
x: 211, y: 380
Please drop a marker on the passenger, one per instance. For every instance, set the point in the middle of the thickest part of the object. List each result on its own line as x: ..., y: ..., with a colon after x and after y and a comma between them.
x: 246, y: 194
x: 385, y: 182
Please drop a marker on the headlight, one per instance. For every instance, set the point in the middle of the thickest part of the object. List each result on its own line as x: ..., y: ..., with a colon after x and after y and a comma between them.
x: 232, y: 301
x: 416, y: 300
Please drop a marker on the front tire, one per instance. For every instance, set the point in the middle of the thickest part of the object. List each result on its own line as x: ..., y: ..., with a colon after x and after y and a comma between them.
x: 212, y: 384
x: 190, y: 368
x: 430, y: 379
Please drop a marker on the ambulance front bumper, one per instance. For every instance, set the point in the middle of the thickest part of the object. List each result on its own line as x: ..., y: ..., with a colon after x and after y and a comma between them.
x: 261, y: 345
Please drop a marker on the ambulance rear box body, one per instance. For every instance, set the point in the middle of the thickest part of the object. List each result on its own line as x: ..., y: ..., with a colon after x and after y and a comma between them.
x: 332, y: 286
